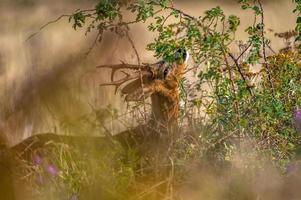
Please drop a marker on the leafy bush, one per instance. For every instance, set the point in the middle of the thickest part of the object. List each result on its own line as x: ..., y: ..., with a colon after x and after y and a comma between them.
x: 242, y: 103
x: 248, y: 98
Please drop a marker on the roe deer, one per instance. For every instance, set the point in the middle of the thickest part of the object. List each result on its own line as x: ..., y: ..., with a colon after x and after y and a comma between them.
x: 160, y: 81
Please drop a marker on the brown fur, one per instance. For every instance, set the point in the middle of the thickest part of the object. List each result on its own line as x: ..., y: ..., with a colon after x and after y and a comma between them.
x: 164, y: 92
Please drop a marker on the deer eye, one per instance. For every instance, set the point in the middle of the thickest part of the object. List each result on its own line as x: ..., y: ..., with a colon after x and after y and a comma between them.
x: 165, y: 72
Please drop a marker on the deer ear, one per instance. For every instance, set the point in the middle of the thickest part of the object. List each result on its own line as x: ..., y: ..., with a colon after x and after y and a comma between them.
x: 133, y: 91
x: 182, y: 55
x: 138, y: 95
x: 131, y: 87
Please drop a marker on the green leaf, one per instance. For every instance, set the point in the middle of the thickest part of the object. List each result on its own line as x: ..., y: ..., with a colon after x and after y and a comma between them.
x: 234, y: 22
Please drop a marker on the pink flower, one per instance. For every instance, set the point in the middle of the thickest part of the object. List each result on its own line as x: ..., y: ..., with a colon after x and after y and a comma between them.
x: 51, y: 169
x: 292, y: 168
x: 36, y: 159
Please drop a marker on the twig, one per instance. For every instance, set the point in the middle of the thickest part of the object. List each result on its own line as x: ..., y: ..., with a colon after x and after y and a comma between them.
x: 93, y: 44
x: 166, y: 19
x: 150, y: 189
x: 45, y: 25
x: 195, y: 67
x: 240, y: 72
x: 243, y: 52
x: 185, y: 14
x: 171, y: 178
x: 230, y: 73
x: 264, y: 49
x: 272, y: 50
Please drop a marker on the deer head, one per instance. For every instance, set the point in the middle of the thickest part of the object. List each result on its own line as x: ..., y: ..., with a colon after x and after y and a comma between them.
x: 160, y: 81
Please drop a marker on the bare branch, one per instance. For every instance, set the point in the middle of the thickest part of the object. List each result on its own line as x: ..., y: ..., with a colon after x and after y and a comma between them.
x: 264, y: 48
x: 240, y: 72
x: 97, y: 39
x: 45, y: 25
x: 243, y: 52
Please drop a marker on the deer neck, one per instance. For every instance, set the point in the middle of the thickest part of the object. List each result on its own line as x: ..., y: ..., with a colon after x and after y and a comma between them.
x: 165, y: 110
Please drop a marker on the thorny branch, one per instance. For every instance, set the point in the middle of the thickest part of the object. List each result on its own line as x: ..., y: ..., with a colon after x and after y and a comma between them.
x: 243, y: 52
x: 264, y: 47
x: 240, y: 72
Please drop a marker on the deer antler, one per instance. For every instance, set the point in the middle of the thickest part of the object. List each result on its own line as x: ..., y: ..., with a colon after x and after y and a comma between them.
x: 123, y: 65
x: 128, y: 76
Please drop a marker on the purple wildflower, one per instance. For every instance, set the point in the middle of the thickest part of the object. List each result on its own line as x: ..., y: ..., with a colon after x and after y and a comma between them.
x: 36, y: 160
x: 297, y: 120
x: 51, y: 169
x: 291, y: 168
